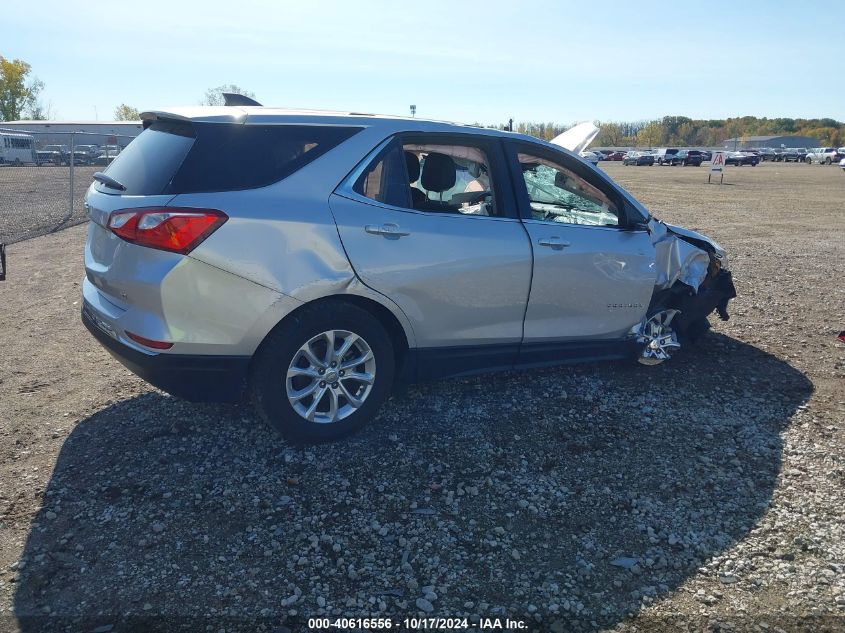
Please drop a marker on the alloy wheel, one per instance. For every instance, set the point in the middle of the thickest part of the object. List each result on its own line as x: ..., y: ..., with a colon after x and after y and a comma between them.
x: 330, y: 376
x: 658, y: 338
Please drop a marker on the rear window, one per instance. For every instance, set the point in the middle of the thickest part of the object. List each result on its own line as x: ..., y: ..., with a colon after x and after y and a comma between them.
x: 172, y: 157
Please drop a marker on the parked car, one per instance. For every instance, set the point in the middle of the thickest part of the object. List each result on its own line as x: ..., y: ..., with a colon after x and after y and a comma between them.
x: 615, y: 156
x: 104, y: 159
x: 706, y: 155
x: 824, y: 155
x: 842, y: 163
x: 312, y: 260
x: 765, y: 153
x: 794, y: 154
x: 590, y: 157
x: 742, y: 158
x: 686, y: 157
x: 638, y: 158
x: 62, y: 150
x: 47, y: 157
x: 90, y: 150
x: 664, y: 155
x: 82, y: 157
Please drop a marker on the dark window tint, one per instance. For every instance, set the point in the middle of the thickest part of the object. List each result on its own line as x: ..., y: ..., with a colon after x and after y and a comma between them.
x: 226, y: 157
x: 149, y: 162
x: 183, y: 157
x: 385, y: 179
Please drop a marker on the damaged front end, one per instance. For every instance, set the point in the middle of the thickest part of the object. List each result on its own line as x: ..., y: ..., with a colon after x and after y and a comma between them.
x: 692, y: 283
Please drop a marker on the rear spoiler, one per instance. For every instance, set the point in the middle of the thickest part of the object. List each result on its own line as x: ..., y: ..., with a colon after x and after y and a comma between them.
x: 204, y: 113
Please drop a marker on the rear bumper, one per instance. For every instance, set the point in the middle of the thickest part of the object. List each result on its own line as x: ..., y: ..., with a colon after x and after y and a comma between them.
x: 199, y: 378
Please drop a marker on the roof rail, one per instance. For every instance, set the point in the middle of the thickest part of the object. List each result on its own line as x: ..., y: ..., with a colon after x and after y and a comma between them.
x: 234, y: 99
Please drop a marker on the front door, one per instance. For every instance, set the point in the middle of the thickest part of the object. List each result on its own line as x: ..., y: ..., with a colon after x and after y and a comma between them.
x: 594, y: 268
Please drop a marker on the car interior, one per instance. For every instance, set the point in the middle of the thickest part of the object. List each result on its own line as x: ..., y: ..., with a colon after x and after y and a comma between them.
x: 449, y: 179
x: 431, y: 177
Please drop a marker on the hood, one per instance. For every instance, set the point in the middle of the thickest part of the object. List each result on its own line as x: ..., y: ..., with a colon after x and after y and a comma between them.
x: 577, y: 138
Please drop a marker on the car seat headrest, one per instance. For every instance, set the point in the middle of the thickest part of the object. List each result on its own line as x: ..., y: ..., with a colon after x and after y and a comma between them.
x: 438, y: 172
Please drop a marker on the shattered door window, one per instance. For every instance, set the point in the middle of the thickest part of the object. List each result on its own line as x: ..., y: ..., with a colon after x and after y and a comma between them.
x: 558, y: 195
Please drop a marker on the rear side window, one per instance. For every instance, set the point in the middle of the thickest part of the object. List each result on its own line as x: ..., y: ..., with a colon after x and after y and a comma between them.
x: 177, y: 157
x: 386, y: 179
x: 149, y: 162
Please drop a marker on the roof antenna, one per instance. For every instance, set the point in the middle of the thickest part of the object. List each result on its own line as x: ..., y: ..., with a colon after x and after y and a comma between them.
x: 234, y: 99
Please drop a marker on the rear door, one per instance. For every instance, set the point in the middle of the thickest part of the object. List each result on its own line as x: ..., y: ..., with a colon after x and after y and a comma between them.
x: 594, y: 268
x: 429, y: 220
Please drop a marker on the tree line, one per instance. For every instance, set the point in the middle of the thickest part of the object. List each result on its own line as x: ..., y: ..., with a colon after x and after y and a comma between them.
x: 686, y: 132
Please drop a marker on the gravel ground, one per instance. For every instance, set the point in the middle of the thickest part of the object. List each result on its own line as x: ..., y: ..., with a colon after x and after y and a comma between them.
x: 34, y: 200
x: 703, y: 494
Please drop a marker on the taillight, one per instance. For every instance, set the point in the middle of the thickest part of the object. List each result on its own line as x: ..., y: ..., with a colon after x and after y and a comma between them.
x: 175, y: 229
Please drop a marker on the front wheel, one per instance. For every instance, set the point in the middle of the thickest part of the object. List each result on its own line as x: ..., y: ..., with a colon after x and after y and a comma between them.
x: 657, y: 338
x: 324, y: 373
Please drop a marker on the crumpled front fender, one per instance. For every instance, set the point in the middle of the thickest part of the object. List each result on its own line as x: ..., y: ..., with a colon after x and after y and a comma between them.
x: 676, y: 259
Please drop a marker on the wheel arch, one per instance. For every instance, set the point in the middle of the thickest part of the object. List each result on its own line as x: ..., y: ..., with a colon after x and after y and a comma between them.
x: 391, y: 323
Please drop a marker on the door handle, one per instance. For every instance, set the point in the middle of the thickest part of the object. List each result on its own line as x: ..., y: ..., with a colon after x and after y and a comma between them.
x: 387, y: 230
x: 552, y: 242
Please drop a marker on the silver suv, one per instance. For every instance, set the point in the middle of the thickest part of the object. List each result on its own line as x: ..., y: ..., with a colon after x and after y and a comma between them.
x: 311, y: 259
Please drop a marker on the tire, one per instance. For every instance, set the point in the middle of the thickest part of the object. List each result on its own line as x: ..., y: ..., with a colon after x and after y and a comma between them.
x: 827, y: 161
x: 281, y: 352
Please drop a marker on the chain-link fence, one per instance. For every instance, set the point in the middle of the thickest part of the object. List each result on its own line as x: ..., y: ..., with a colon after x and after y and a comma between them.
x: 44, y: 176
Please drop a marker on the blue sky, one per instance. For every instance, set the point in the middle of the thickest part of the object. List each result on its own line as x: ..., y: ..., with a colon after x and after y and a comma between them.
x: 461, y: 61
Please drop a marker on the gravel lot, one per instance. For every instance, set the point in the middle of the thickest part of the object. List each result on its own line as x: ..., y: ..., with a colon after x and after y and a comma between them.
x: 704, y: 494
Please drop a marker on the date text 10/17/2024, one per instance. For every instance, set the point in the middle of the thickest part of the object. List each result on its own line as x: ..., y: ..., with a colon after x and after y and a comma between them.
x: 416, y: 624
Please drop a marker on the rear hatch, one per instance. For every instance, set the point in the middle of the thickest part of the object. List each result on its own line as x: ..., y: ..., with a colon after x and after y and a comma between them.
x: 145, y: 168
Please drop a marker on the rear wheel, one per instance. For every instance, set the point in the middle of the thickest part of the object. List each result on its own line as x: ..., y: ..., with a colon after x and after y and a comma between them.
x: 827, y: 161
x: 324, y: 373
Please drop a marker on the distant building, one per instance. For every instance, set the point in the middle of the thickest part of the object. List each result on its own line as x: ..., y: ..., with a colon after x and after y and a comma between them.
x: 94, y: 132
x: 745, y: 142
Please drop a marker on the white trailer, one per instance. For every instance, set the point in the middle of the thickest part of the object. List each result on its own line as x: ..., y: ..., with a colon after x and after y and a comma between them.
x: 16, y: 148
